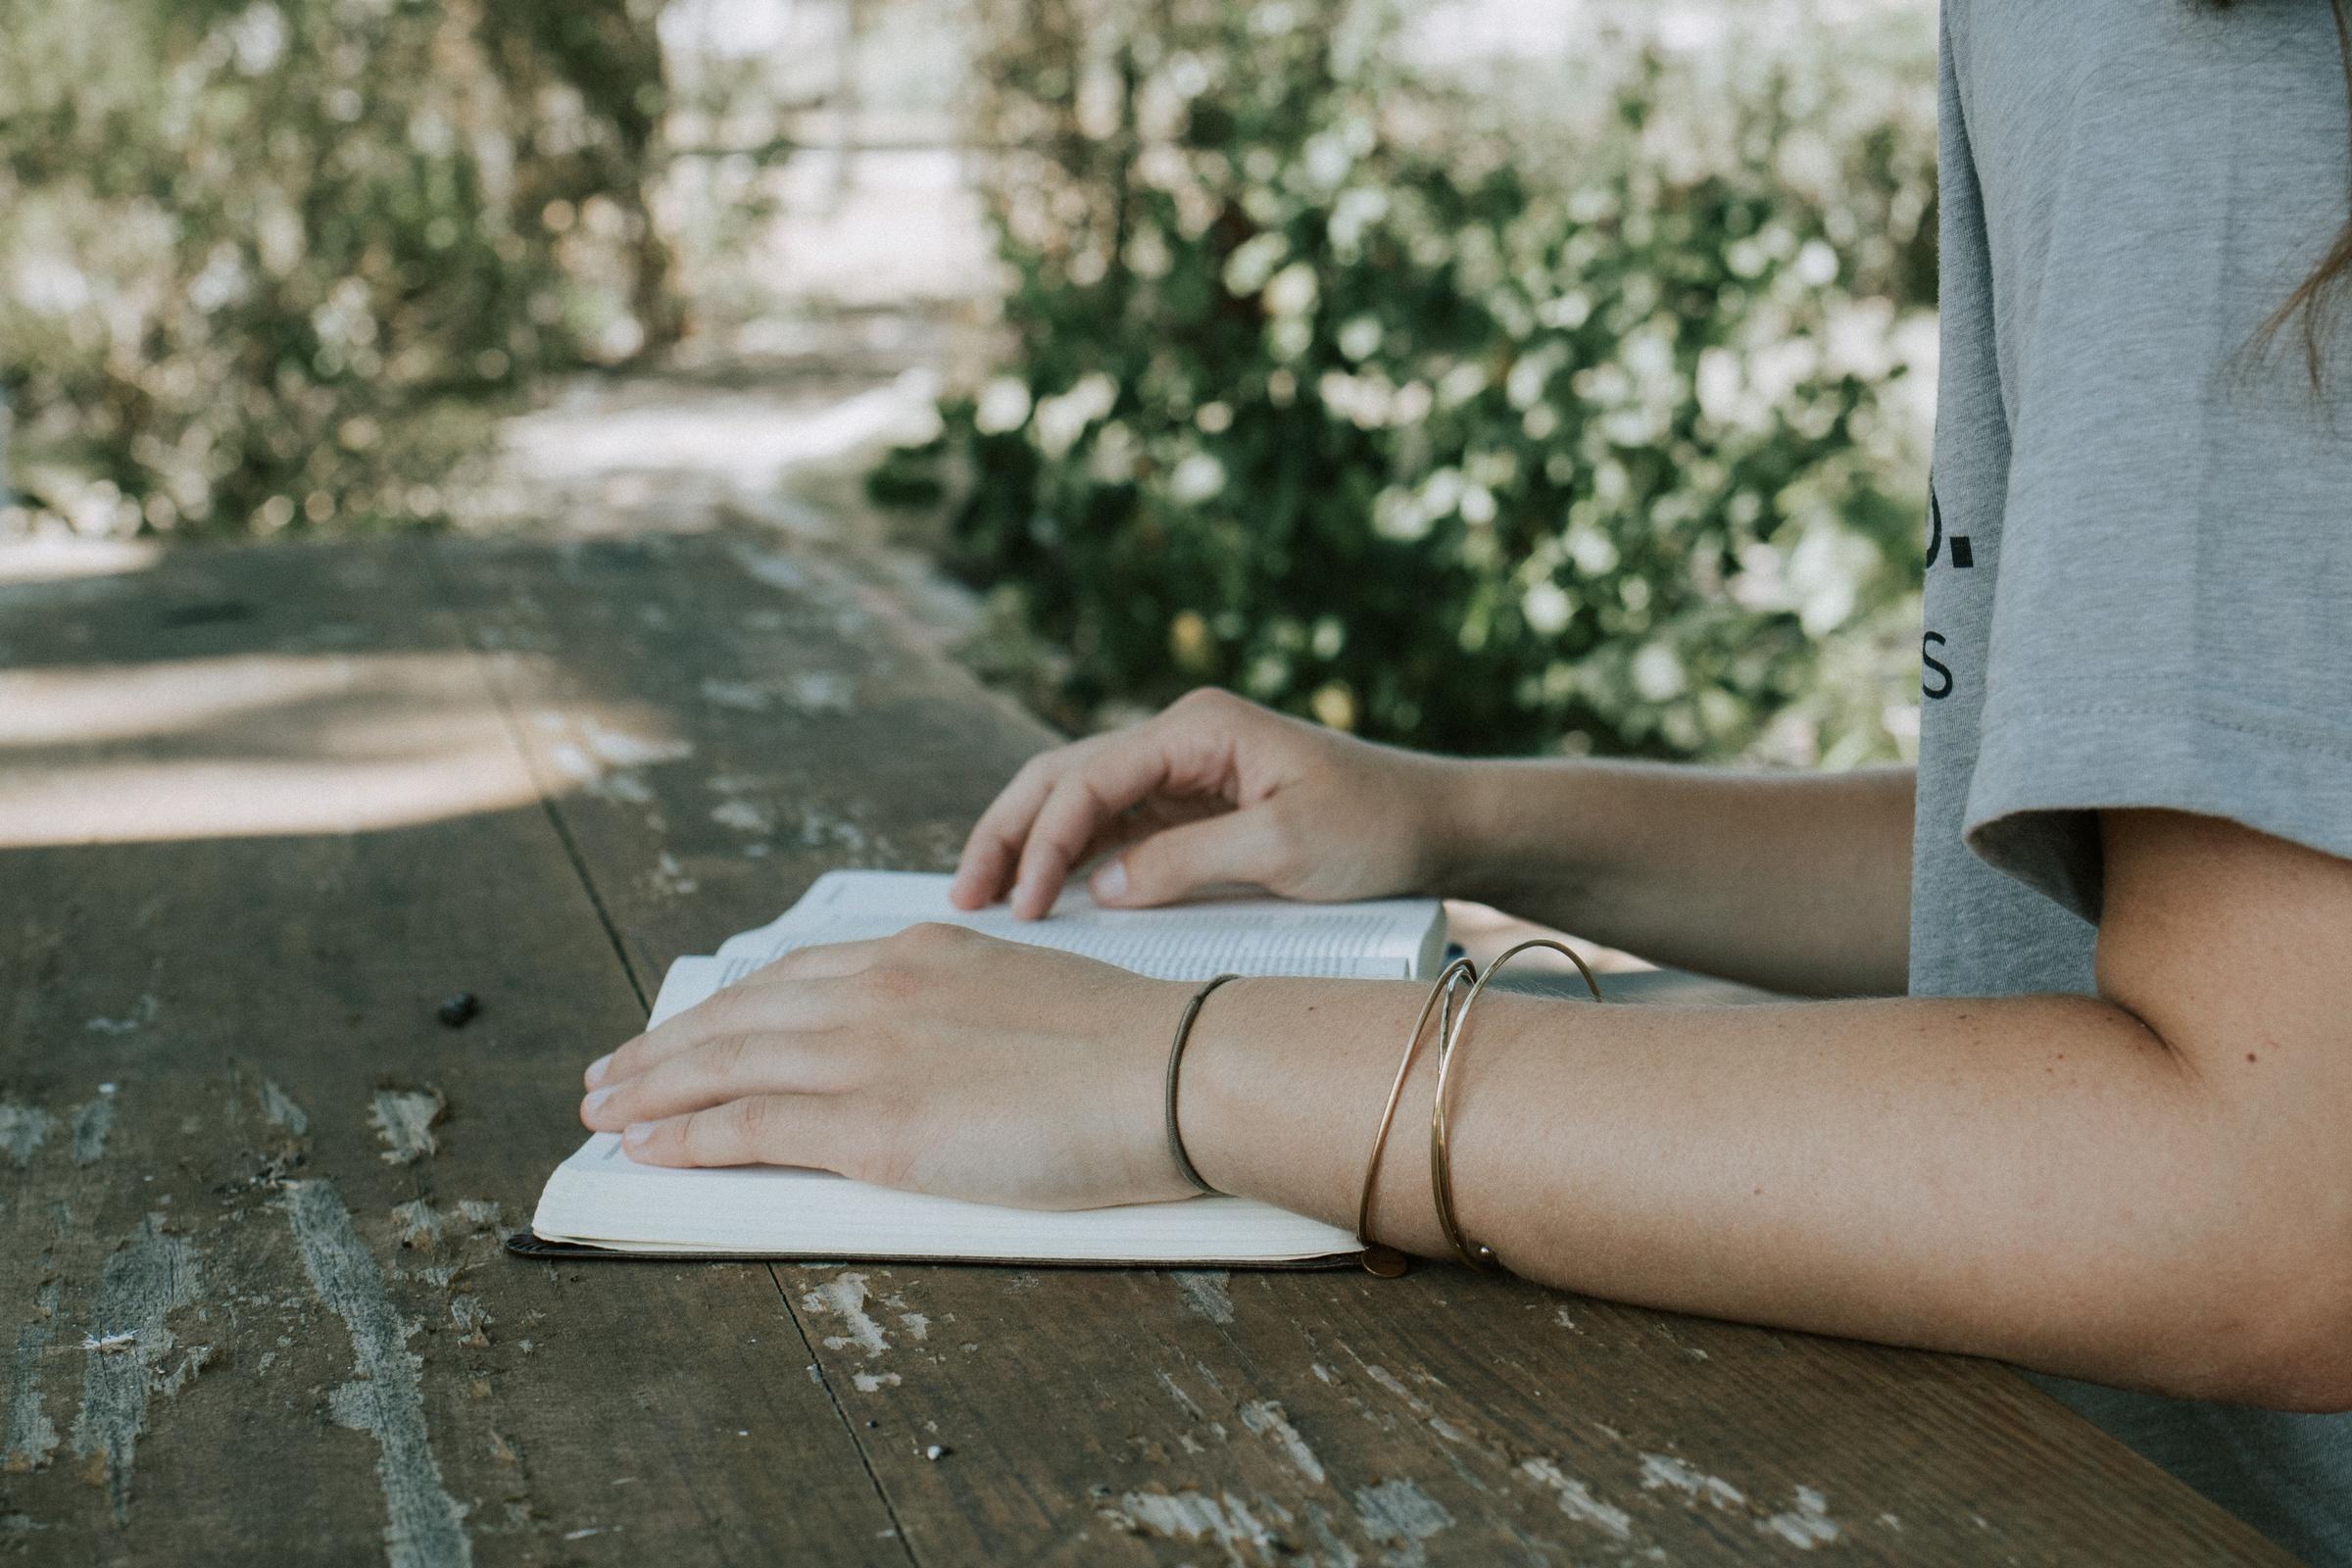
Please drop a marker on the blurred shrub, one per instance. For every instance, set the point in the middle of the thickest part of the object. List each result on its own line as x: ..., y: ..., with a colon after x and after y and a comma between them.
x: 1452, y: 414
x: 257, y: 259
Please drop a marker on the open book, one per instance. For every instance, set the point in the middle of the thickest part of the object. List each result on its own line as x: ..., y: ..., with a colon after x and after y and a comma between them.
x: 601, y: 1199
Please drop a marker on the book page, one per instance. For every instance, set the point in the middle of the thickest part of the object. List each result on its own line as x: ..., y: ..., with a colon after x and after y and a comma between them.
x: 1380, y: 939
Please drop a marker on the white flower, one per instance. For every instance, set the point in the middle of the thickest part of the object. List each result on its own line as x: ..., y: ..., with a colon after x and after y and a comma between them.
x: 1292, y: 291
x: 1003, y: 407
x: 1254, y: 262
x: 1657, y: 673
x: 1196, y: 479
x: 1061, y: 420
x: 1547, y: 609
x: 1816, y: 264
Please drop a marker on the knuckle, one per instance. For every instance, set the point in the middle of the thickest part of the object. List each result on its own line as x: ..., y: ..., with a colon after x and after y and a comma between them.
x: 726, y: 1057
x: 760, y: 1120
x: 1204, y: 702
x: 889, y: 980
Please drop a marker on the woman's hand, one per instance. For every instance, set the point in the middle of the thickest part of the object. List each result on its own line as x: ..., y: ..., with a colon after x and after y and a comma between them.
x: 938, y: 1061
x: 1213, y: 792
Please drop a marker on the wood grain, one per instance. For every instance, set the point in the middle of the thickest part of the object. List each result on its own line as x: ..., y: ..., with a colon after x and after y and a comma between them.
x: 336, y: 1363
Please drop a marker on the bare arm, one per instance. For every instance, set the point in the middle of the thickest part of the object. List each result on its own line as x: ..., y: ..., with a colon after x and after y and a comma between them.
x: 2150, y: 1186
x: 1798, y: 883
x: 1794, y: 882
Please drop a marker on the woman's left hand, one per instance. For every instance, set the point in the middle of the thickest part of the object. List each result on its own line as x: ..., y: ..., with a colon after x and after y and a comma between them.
x: 938, y: 1061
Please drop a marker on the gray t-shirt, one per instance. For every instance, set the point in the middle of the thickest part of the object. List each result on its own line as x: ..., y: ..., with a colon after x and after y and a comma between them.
x: 2139, y: 562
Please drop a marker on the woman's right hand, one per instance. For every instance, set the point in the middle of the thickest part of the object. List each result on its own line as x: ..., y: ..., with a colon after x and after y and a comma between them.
x: 1211, y: 793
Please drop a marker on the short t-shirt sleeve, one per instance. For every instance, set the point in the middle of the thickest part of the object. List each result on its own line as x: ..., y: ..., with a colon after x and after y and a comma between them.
x: 2172, y: 621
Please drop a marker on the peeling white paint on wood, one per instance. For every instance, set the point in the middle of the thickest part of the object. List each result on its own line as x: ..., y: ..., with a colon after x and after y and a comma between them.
x: 742, y: 696
x: 1177, y: 1390
x: 424, y: 1526
x: 874, y: 1382
x: 1576, y: 1500
x: 670, y: 878
x: 473, y: 1320
x: 22, y: 1131
x: 404, y: 1119
x: 28, y: 1438
x: 91, y: 1125
x: 621, y: 749
x: 279, y: 1108
x: 139, y: 1017
x: 1805, y: 1525
x: 821, y: 692
x: 147, y: 1278
x: 744, y: 817
x: 419, y: 1223
x: 845, y: 1297
x: 1205, y: 1293
x: 1267, y: 1418
x: 1665, y: 1470
x: 1401, y: 1514
x: 1196, y: 1516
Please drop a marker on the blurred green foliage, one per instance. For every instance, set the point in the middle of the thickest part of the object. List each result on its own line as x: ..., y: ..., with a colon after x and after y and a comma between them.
x: 260, y: 263
x: 1581, y: 411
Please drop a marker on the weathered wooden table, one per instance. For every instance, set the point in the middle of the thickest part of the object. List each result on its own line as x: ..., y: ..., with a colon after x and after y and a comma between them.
x: 262, y: 810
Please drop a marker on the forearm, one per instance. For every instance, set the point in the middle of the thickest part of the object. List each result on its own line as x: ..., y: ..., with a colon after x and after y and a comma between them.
x: 2035, y: 1179
x: 1798, y: 883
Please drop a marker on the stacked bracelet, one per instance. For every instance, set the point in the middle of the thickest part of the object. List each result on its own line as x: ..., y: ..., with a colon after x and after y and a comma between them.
x: 1378, y: 1259
x: 1441, y: 1162
x: 1387, y: 1261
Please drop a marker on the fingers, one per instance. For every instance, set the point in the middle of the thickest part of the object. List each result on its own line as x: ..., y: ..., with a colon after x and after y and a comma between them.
x: 790, y: 994
x: 1240, y: 846
x: 994, y: 847
x: 1059, y: 803
x: 1088, y: 798
x: 730, y: 1066
x: 760, y: 1130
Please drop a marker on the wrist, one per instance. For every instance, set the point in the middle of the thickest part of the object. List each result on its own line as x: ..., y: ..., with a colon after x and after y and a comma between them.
x: 1450, y: 823
x: 1521, y: 835
x: 1282, y: 1088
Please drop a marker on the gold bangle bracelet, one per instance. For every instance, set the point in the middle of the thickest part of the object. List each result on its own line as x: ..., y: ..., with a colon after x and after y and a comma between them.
x: 1387, y: 1262
x: 1476, y: 1254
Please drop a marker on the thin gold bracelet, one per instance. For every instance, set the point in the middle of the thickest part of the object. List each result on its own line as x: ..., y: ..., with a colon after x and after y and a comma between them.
x: 1387, y: 1262
x: 1476, y: 1254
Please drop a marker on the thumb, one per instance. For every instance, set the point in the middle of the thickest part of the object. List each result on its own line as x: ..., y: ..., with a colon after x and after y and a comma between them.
x: 1175, y: 861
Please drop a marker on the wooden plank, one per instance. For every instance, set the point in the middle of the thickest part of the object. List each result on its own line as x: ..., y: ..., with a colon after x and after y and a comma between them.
x: 736, y: 722
x: 294, y: 1190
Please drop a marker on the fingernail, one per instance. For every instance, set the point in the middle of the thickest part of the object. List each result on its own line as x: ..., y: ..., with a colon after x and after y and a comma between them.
x: 638, y: 1132
x: 1111, y: 880
x: 596, y: 1068
x: 597, y: 1098
x: 1021, y: 897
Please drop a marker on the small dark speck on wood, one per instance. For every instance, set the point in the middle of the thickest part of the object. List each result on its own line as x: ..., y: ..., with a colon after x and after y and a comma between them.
x: 457, y: 1012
